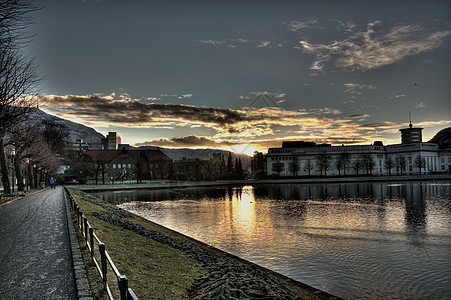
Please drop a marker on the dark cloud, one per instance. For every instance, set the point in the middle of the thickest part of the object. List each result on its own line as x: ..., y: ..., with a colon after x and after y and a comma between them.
x: 133, y: 111
x: 187, y: 141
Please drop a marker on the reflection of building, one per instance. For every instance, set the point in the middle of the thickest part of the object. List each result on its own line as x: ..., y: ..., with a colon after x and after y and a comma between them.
x: 412, y: 156
x: 111, y: 141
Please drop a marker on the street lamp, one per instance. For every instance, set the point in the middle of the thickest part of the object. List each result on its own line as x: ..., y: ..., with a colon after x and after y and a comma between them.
x: 13, y: 153
x: 27, y: 175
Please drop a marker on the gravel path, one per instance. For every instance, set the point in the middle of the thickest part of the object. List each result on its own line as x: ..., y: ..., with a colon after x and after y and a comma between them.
x: 35, y: 255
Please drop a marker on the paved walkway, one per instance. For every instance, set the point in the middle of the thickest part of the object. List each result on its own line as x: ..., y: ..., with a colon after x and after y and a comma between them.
x: 35, y: 254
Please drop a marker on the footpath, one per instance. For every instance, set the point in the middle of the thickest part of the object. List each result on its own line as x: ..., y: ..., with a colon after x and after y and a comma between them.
x: 35, y: 248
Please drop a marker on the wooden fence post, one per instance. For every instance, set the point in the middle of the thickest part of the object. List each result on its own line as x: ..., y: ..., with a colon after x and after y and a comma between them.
x: 103, y: 262
x: 85, y: 221
x: 122, y: 282
x: 91, y: 240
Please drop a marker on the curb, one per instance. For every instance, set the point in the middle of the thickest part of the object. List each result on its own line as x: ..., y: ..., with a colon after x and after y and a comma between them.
x: 80, y: 275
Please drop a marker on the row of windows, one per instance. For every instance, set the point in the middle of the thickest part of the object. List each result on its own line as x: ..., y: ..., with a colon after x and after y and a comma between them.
x: 122, y: 166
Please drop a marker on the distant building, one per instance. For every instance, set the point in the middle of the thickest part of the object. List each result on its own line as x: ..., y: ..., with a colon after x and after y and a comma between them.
x: 111, y: 141
x: 412, y: 156
x: 129, y: 164
x: 78, y: 145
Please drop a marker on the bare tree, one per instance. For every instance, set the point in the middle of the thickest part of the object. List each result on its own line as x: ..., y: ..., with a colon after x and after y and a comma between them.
x: 368, y: 163
x: 278, y: 167
x: 345, y: 162
x: 401, y: 163
x: 339, y: 165
x: 420, y: 162
x: 389, y: 164
x: 18, y: 73
x: 309, y: 167
x: 324, y: 163
x: 294, y: 166
x: 357, y: 164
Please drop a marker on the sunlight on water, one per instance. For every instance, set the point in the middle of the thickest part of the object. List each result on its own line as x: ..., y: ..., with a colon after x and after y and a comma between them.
x: 377, y: 241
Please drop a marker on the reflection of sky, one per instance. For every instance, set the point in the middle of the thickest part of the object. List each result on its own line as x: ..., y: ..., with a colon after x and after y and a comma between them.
x: 356, y: 243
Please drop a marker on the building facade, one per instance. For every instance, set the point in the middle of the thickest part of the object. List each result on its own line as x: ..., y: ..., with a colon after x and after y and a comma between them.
x: 111, y: 141
x: 128, y: 164
x: 411, y: 157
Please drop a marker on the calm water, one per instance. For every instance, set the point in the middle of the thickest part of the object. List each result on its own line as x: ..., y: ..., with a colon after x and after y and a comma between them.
x: 367, y: 241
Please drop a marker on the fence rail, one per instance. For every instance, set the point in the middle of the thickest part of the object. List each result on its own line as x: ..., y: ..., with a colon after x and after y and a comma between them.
x: 91, y: 239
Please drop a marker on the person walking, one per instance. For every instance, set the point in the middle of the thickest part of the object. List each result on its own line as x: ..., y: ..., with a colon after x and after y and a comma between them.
x: 52, y: 183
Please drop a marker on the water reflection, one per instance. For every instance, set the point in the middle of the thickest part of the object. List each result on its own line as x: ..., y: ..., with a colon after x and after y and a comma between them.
x: 362, y: 240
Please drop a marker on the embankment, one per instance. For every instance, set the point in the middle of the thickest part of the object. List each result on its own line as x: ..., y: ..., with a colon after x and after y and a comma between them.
x: 214, y: 274
x: 316, y: 180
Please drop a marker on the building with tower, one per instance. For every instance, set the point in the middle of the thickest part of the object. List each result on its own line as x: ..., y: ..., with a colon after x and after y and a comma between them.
x: 411, y: 157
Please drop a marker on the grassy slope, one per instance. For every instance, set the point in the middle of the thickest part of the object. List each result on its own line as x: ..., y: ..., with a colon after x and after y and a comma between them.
x: 154, y: 270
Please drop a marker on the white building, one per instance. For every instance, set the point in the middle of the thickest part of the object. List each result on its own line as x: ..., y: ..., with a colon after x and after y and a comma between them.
x: 412, y: 156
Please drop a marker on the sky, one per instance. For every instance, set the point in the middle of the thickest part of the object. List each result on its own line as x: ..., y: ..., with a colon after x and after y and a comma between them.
x: 246, y: 75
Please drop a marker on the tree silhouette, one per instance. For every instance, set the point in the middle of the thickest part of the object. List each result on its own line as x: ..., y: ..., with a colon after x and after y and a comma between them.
x: 420, y: 162
x: 18, y: 73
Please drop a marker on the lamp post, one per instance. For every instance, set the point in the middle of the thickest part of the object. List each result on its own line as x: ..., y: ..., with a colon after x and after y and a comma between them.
x: 13, y: 153
x: 27, y: 175
x: 35, y: 177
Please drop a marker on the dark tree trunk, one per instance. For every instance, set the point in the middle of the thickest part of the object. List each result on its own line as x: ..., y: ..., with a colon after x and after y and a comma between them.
x: 19, y: 174
x: 4, y: 168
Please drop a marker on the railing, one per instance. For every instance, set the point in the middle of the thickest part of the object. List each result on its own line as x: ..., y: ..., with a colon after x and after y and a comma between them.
x: 6, y: 197
x: 105, y: 259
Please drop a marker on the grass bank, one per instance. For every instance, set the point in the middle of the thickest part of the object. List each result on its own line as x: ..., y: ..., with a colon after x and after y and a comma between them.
x: 154, y: 270
x: 163, y: 264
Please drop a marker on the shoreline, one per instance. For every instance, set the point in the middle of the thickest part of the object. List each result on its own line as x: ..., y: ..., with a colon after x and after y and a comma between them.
x: 310, y: 180
x: 224, y: 274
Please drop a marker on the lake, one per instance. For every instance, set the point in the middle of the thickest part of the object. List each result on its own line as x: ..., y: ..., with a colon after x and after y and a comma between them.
x: 353, y: 240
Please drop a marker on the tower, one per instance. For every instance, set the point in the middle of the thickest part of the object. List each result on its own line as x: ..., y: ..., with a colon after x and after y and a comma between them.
x: 411, y: 135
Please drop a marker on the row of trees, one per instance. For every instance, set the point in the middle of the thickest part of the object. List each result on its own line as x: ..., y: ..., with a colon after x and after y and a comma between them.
x: 23, y: 148
x: 362, y: 165
x: 218, y: 167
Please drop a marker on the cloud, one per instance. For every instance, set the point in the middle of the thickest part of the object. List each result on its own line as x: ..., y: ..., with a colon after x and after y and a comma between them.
x: 298, y: 25
x: 101, y: 109
x: 373, y: 48
x: 357, y: 89
x: 264, y: 44
x: 420, y: 105
x: 228, y: 43
x: 186, y: 96
x: 249, y: 126
x: 187, y: 141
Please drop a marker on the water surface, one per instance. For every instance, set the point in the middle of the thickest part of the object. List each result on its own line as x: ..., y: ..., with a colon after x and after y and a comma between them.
x: 366, y: 240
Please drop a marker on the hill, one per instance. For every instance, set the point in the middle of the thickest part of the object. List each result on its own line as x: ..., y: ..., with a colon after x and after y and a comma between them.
x: 443, y: 137
x: 74, y: 130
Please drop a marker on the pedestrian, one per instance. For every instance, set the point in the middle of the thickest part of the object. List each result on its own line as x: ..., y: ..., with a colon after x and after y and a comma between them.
x: 52, y: 183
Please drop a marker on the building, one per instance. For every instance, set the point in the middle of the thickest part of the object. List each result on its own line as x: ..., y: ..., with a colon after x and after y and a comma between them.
x: 128, y: 164
x: 111, y: 141
x: 78, y: 145
x: 412, y: 156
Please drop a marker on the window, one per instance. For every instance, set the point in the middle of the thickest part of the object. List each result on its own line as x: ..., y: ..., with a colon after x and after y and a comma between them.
x: 129, y: 166
x: 118, y: 166
x: 114, y: 166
